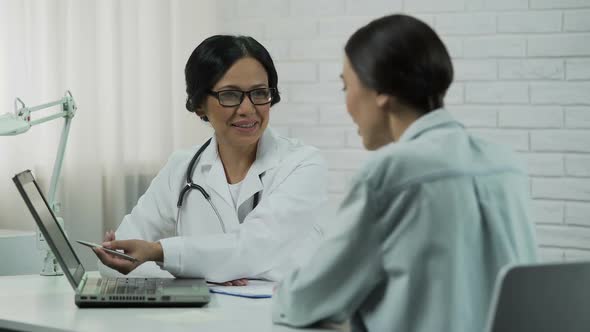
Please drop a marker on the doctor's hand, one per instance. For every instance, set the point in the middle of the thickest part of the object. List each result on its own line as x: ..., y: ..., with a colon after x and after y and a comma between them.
x: 109, y: 236
x: 237, y: 282
x: 143, y: 251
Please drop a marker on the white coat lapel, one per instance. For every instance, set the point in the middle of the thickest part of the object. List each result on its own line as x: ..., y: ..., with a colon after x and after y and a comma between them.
x: 267, y: 157
x: 215, y: 175
x: 252, y: 184
x: 217, y: 181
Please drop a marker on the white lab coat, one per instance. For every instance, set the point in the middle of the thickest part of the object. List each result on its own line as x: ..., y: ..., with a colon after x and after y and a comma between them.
x: 273, y: 238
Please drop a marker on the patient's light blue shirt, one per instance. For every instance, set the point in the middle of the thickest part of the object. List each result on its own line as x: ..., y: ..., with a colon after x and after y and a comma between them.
x: 420, y: 237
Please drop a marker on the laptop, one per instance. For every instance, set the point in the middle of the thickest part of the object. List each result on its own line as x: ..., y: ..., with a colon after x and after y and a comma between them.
x: 544, y: 297
x: 105, y: 292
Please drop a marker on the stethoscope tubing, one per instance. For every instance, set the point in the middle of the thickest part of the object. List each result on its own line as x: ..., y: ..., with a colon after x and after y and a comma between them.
x: 191, y: 185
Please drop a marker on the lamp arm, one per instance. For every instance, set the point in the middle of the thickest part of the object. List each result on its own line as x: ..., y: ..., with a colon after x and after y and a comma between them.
x: 49, y: 104
x: 59, y: 157
x: 48, y: 118
x: 69, y: 108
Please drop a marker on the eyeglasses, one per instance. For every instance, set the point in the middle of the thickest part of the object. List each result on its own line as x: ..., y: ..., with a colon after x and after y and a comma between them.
x: 232, y: 98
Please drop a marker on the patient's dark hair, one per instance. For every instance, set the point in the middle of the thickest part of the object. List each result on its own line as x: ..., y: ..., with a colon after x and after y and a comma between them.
x: 211, y: 60
x: 402, y: 56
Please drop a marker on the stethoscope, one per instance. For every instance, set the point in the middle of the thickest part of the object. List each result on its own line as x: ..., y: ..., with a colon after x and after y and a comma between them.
x: 191, y: 185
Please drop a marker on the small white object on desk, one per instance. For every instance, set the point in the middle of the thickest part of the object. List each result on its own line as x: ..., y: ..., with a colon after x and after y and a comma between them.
x: 18, y: 252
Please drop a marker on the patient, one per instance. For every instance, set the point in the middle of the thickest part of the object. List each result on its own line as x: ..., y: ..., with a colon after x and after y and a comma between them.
x: 430, y: 219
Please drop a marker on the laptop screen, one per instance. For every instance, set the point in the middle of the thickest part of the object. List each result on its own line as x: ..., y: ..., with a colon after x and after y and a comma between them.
x: 52, y: 231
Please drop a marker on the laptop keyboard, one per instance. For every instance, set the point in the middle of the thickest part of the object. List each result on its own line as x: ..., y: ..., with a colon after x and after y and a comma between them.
x: 127, y: 286
x: 143, y: 290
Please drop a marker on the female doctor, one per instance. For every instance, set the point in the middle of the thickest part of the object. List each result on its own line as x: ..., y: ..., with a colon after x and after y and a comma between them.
x: 243, y: 204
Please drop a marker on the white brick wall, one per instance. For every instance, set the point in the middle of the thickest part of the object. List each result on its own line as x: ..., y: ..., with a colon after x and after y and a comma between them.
x: 577, y: 69
x: 465, y: 24
x: 522, y: 78
x: 530, y: 21
x: 544, y: 164
x: 577, y: 117
x: 547, y: 212
x: 578, y: 214
x: 530, y: 117
x: 495, y: 4
x: 577, y: 20
x: 559, y: 45
x: 561, y: 188
x: 561, y: 140
x: 558, y: 4
x: 564, y: 93
x: 494, y: 46
x: 577, y: 165
x: 475, y: 70
x: 476, y: 116
x: 532, y: 69
x: 497, y: 92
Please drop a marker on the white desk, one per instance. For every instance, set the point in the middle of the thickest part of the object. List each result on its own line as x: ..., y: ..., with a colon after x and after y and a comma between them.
x: 37, y: 303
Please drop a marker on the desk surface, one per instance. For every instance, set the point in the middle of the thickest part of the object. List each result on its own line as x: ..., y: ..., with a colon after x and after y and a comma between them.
x: 37, y: 303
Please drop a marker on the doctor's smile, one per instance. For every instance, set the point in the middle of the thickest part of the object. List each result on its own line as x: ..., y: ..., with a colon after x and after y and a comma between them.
x: 245, y: 126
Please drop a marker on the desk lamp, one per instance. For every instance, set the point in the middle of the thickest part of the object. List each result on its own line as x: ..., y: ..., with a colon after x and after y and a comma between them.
x: 20, y: 122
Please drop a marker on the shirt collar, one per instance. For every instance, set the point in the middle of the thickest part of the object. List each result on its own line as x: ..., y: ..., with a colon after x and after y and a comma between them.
x: 426, y: 122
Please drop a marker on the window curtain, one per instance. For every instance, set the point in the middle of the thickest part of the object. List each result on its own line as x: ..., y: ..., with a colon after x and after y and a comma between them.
x: 123, y: 62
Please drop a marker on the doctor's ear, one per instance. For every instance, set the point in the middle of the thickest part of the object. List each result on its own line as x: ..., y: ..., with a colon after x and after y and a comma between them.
x: 200, y: 112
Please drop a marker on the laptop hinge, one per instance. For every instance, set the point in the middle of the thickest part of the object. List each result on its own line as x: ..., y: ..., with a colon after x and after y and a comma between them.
x: 82, y: 283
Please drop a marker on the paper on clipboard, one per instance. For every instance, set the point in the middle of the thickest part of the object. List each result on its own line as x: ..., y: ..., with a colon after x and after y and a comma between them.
x: 256, y: 289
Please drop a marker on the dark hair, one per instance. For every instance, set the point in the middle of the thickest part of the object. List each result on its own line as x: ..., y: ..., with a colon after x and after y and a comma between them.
x: 402, y: 56
x: 213, y: 57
